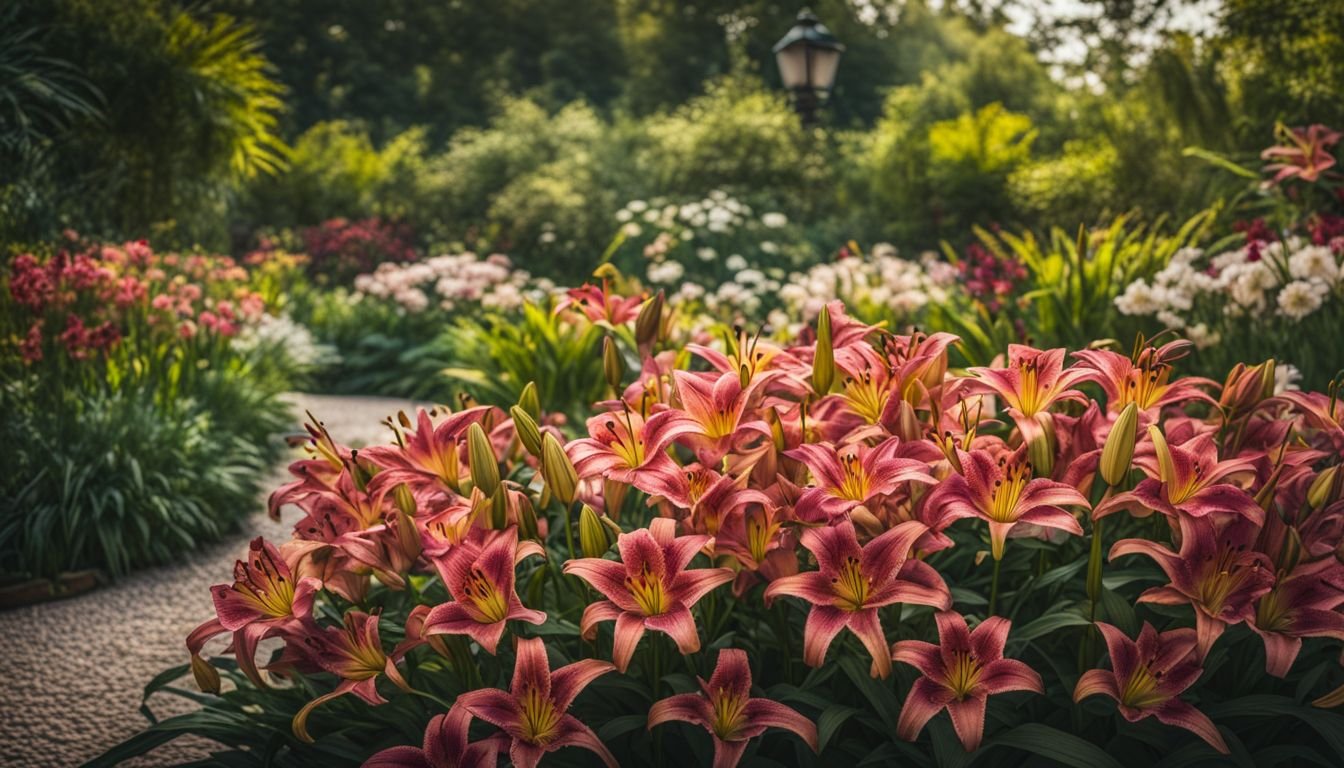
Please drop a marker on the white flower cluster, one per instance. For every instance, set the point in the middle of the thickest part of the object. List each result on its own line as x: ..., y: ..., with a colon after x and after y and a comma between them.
x: 452, y: 281
x: 1292, y: 280
x: 718, y: 213
x: 883, y: 282
x: 284, y: 335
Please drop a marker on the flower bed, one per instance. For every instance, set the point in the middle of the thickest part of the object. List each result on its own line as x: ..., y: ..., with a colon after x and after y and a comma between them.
x: 138, y: 419
x: 1119, y: 565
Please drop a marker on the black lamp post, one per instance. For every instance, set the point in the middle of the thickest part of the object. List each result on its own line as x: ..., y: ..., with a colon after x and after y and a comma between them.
x: 808, y: 57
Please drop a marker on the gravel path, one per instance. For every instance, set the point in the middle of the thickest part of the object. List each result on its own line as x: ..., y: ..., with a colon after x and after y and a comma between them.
x: 73, y: 671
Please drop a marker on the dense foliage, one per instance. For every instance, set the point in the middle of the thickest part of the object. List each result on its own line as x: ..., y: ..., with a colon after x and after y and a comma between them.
x: 140, y: 391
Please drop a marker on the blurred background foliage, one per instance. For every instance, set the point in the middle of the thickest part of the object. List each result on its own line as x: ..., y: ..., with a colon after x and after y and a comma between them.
x: 522, y: 125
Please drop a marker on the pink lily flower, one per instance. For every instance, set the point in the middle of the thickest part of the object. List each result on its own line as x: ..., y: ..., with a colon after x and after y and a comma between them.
x: 265, y: 599
x: 729, y: 712
x: 354, y: 653
x: 852, y: 582
x: 446, y: 746
x: 649, y: 589
x: 600, y: 304
x: 1147, y: 677
x: 1033, y: 381
x: 1305, y: 603
x: 1004, y: 494
x: 714, y: 405
x: 328, y: 462
x: 1304, y: 155
x: 534, y: 711
x: 1189, y: 482
x: 626, y: 448
x: 1217, y: 571
x: 960, y: 673
x: 480, y: 577
x: 852, y: 476
x: 429, y: 456
x: 1146, y: 383
x: 708, y: 497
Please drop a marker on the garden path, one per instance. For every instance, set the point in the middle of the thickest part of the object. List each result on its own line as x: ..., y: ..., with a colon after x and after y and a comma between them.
x: 74, y: 670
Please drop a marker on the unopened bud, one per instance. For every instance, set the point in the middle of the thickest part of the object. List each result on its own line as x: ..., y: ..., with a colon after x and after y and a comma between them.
x: 529, y: 401
x: 649, y: 322
x: 529, y: 434
x: 908, y: 427
x: 613, y: 367
x: 481, y: 458
x: 1043, y: 446
x: 823, y: 362
x: 527, y: 519
x: 1267, y: 378
x: 1165, y: 465
x: 558, y: 470
x: 613, y: 496
x: 207, y: 677
x: 593, y: 536
x: 776, y: 428
x: 1118, y: 453
x: 499, y: 510
x: 1324, y: 489
x: 405, y: 499
x: 1291, y: 553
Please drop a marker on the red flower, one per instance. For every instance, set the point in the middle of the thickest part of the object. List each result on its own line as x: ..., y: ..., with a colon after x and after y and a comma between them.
x: 481, y: 581
x: 960, y: 673
x: 728, y: 711
x: 1304, y: 153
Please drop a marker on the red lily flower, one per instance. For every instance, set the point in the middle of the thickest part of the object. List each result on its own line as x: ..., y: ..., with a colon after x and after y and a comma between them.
x: 445, y: 746
x: 729, y: 712
x: 649, y: 589
x: 628, y: 449
x: 960, y: 673
x: 265, y: 599
x: 534, y: 712
x: 480, y: 578
x: 1302, y: 604
x: 852, y: 582
x: 1147, y: 677
x: 1187, y: 482
x: 600, y: 304
x: 1003, y: 494
x: 1320, y: 411
x: 715, y: 405
x: 1304, y: 155
x: 329, y: 461
x: 1217, y: 571
x: 354, y: 653
x: 1033, y: 381
x: 852, y: 476
x: 429, y: 455
x: 1146, y: 383
x: 709, y: 497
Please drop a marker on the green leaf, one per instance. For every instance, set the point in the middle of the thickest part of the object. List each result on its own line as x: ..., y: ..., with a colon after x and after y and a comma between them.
x: 1046, y: 625
x: 619, y: 726
x: 830, y: 721
x: 1054, y: 744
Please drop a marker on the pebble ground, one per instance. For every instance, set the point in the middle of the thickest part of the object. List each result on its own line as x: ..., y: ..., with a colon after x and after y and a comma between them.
x: 72, y: 672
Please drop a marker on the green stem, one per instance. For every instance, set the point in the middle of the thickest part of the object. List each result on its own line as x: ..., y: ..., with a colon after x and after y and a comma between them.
x: 569, y: 530
x: 994, y: 587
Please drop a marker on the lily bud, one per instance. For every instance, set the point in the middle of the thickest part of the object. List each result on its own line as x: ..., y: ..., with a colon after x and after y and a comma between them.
x: 1267, y: 378
x: 207, y: 677
x: 499, y: 510
x: 1324, y: 489
x: 1118, y: 453
x: 405, y: 499
x: 529, y: 401
x: 481, y: 458
x: 613, y: 496
x: 1043, y: 446
x: 823, y: 362
x: 527, y: 519
x: 776, y: 428
x: 613, y: 367
x: 529, y: 434
x: 649, y: 322
x: 1166, y: 467
x: 594, y: 539
x: 558, y: 470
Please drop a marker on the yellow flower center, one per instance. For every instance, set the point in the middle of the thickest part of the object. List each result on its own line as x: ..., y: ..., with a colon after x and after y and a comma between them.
x: 1141, y: 690
x: 539, y: 717
x: 264, y: 586
x: 1029, y: 395
x: 1222, y: 579
x: 1272, y: 613
x: 1144, y: 386
x: 728, y: 711
x: 647, y: 590
x: 720, y: 423
x: 1007, y: 492
x: 963, y: 674
x: 630, y: 447
x: 491, y: 605
x: 759, y: 533
x: 851, y: 587
x: 865, y: 397
x: 854, y: 485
